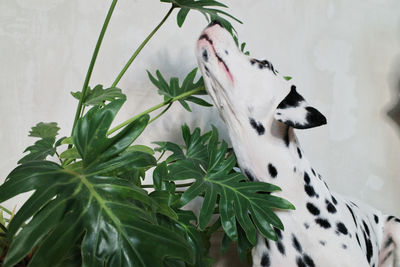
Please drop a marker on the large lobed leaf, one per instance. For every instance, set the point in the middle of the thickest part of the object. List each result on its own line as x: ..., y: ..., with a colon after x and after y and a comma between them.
x: 99, y: 96
x: 238, y: 200
x: 90, y: 206
x: 173, y: 89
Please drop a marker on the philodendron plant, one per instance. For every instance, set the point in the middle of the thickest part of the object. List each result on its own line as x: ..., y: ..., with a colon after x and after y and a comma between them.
x: 90, y: 207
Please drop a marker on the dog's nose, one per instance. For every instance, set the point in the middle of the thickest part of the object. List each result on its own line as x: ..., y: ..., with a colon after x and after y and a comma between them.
x: 215, y: 22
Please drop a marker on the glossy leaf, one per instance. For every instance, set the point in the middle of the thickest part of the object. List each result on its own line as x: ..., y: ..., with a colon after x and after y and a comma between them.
x: 44, y: 130
x: 99, y: 96
x: 173, y: 89
x: 206, y: 7
x: 237, y: 199
x: 90, y: 205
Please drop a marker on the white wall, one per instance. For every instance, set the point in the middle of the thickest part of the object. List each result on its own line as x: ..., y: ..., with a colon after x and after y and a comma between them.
x: 344, y: 56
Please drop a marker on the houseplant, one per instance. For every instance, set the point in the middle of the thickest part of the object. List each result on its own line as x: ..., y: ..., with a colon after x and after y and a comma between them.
x: 91, y: 207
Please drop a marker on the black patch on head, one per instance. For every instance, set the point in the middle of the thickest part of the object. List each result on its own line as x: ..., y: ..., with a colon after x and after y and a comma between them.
x: 307, y: 259
x: 344, y: 246
x: 366, y: 228
x: 376, y: 218
x: 334, y: 200
x: 313, y: 209
x: 341, y: 228
x: 314, y: 117
x: 306, y: 225
x: 296, y: 244
x: 306, y: 178
x: 352, y: 214
x: 257, y: 126
x: 323, y: 223
x: 300, y: 262
x: 265, y: 261
x: 322, y: 242
x: 310, y: 191
x: 205, y: 37
x: 299, y: 153
x: 389, y: 218
x: 249, y: 175
x: 272, y: 170
x: 397, y: 220
x: 293, y: 99
x: 330, y: 207
x: 368, y: 245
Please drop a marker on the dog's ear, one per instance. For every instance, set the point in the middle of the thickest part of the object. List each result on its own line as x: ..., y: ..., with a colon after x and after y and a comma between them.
x: 295, y: 112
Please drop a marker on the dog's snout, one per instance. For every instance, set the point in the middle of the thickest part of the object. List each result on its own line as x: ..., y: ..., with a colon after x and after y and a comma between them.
x: 215, y: 22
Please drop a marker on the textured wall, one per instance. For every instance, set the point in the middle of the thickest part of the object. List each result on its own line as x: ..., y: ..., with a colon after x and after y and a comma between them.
x: 344, y: 56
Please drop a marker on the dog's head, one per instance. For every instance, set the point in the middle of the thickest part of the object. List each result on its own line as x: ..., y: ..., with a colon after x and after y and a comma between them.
x: 243, y: 87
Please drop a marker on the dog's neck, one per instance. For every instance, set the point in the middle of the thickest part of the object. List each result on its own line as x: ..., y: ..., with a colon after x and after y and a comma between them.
x: 271, y: 155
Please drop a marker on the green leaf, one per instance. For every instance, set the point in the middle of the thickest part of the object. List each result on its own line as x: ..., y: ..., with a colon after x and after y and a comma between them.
x: 207, y: 161
x: 206, y: 8
x: 110, y: 218
x: 141, y: 148
x: 287, y: 78
x: 44, y: 147
x: 71, y: 153
x: 98, y: 96
x: 173, y: 89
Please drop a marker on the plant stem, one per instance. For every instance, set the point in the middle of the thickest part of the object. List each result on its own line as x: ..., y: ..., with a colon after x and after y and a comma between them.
x: 116, y: 128
x: 5, y: 210
x: 136, y: 53
x: 161, y: 113
x: 92, y: 61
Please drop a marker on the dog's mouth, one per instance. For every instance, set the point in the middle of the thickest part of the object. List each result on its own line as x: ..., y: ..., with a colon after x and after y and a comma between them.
x: 205, y: 55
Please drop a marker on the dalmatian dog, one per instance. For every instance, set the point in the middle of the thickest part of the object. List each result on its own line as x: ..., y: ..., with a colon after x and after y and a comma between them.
x: 261, y: 110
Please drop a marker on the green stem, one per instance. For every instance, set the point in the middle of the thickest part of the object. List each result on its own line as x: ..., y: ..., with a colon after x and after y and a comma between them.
x: 116, y: 128
x: 136, y: 53
x: 5, y: 210
x: 161, y: 113
x: 93, y: 60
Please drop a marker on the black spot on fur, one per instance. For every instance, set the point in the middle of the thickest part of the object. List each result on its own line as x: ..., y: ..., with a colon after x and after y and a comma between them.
x: 387, y: 256
x: 265, y: 261
x: 389, y: 218
x: 249, y: 175
x: 313, y: 172
x: 257, y: 126
x: 322, y: 242
x: 286, y: 136
x: 341, y: 228
x: 308, y: 260
x: 313, y: 209
x: 205, y: 55
x: 278, y: 233
x: 266, y: 242
x: 366, y: 228
x: 330, y: 207
x: 352, y: 214
x: 368, y: 245
x: 334, y: 200
x: 306, y: 225
x: 300, y: 262
x: 272, y: 170
x: 296, y: 244
x: 344, y: 246
x: 323, y: 223
x: 299, y: 152
x: 376, y: 218
x: 310, y: 191
x: 280, y: 247
x: 358, y: 240
x: 306, y: 178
